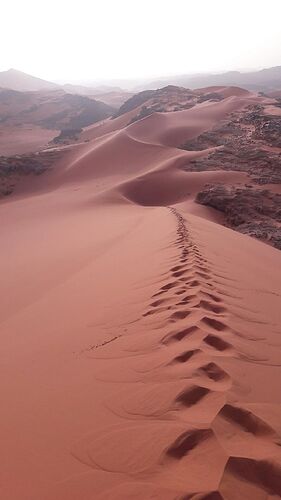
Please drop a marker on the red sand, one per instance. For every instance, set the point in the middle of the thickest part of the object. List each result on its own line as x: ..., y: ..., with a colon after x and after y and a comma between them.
x: 226, y: 91
x: 25, y: 139
x: 141, y: 344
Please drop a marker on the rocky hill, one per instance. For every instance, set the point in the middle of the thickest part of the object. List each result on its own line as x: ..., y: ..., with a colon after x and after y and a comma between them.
x: 54, y: 109
x: 169, y: 98
x: 17, y: 80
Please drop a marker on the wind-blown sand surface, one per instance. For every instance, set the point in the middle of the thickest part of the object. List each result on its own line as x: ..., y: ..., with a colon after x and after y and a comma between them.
x: 140, y: 347
x: 19, y: 140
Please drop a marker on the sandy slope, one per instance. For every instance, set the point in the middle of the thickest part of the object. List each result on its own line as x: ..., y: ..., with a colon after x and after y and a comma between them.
x: 20, y: 140
x: 140, y: 343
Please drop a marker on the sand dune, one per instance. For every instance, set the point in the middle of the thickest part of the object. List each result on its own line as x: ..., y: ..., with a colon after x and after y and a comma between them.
x: 172, y: 129
x: 140, y: 342
x: 226, y: 91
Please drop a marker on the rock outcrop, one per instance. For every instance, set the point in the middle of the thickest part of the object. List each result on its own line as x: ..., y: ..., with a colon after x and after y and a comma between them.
x: 256, y: 212
x: 248, y: 142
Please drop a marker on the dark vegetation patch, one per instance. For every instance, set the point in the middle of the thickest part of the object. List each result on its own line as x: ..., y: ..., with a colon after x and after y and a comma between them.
x: 14, y: 168
x: 135, y: 101
x: 169, y: 98
x: 79, y: 111
x: 67, y: 136
x: 54, y: 110
x: 243, y: 144
x: 255, y: 212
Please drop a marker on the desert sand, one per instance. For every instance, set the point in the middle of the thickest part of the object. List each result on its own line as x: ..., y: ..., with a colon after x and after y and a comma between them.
x: 141, y: 345
x: 19, y: 140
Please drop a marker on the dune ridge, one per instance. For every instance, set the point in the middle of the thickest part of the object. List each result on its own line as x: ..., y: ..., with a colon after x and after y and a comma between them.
x: 141, y: 339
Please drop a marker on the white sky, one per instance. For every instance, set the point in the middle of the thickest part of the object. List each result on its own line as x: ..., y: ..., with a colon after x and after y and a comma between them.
x: 65, y: 39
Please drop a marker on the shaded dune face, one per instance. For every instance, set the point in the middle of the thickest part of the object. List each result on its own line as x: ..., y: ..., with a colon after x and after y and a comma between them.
x: 176, y: 186
x: 140, y: 334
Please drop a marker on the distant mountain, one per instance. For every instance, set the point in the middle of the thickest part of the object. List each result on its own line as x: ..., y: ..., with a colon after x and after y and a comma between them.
x: 113, y: 96
x: 263, y: 80
x: 87, y: 90
x: 114, y: 99
x: 103, y: 89
x: 50, y: 109
x: 90, y: 88
x: 77, y: 89
x: 17, y: 80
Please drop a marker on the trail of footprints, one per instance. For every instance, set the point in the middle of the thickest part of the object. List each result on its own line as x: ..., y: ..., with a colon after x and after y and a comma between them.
x: 194, y: 294
x: 193, y: 281
x: 191, y: 295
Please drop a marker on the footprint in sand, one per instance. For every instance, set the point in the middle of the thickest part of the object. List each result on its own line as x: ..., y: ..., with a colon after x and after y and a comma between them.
x: 214, y: 323
x: 191, y: 396
x: 217, y: 343
x: 178, y: 336
x: 185, y: 356
x: 186, y: 442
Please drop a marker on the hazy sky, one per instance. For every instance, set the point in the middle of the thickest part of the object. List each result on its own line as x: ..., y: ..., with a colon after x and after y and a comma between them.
x: 89, y: 39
